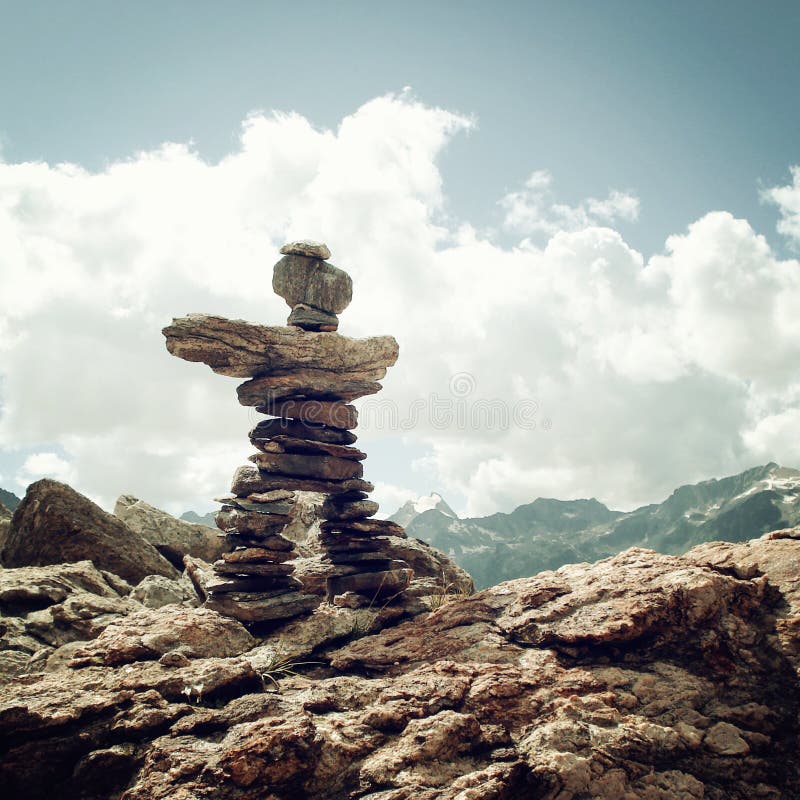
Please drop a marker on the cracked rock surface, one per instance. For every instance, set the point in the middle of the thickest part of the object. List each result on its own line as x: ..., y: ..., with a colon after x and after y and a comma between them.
x: 641, y: 676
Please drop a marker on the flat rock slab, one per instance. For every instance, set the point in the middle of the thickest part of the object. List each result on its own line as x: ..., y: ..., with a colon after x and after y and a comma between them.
x: 273, y: 508
x: 312, y: 319
x: 236, y: 539
x: 248, y: 479
x: 272, y: 497
x: 231, y: 519
x: 252, y: 555
x: 309, y: 385
x: 271, y: 428
x: 308, y: 466
x: 301, y: 279
x: 245, y: 350
x: 288, y: 444
x: 358, y: 509
x: 332, y: 414
x: 377, y: 584
x: 383, y: 527
x: 262, y: 569
x: 284, y: 606
x: 306, y: 247
x: 244, y: 586
x: 271, y: 542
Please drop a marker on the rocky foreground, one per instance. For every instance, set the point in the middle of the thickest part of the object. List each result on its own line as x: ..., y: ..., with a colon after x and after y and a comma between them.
x: 641, y: 676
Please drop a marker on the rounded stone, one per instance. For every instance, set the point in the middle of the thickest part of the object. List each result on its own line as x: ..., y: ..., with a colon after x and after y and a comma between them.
x: 311, y: 282
x: 306, y: 247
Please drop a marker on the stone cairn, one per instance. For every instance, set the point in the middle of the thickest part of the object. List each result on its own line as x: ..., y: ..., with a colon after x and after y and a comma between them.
x: 303, y: 376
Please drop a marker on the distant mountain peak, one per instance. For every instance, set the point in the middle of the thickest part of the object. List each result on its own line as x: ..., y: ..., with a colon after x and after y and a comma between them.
x: 9, y: 499
x: 412, y: 509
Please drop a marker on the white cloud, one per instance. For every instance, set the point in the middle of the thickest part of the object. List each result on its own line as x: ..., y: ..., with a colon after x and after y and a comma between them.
x: 45, y: 465
x: 638, y: 375
x: 787, y: 198
x: 533, y: 211
x: 391, y: 497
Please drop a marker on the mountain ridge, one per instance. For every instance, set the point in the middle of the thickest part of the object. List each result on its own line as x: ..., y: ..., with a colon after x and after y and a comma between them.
x: 548, y: 533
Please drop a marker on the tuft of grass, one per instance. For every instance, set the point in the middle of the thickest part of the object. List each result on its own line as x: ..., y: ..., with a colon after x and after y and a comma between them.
x: 280, y: 667
x: 446, y: 592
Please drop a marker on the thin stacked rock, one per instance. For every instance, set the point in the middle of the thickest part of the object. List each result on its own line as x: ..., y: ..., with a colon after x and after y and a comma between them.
x: 253, y: 582
x: 303, y: 376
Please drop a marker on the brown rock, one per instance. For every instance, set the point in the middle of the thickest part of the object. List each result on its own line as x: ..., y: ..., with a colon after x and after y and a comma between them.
x: 252, y: 555
x: 148, y: 634
x: 259, y: 568
x: 252, y: 523
x: 253, y: 609
x: 332, y: 414
x: 55, y: 606
x: 54, y: 524
x: 256, y: 504
x: 376, y: 527
x: 173, y: 538
x: 199, y: 574
x: 306, y: 247
x: 303, y: 280
x: 726, y: 740
x: 244, y: 350
x: 309, y: 385
x: 653, y: 677
x: 355, y: 509
x: 288, y: 444
x: 308, y: 466
x: 376, y: 584
x: 156, y: 591
x: 272, y: 497
x: 265, y: 587
x: 312, y: 319
x: 248, y: 479
x: 271, y: 428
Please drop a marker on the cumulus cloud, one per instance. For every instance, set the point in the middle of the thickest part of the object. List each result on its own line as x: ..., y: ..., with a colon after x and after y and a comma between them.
x: 787, y: 199
x: 44, y: 465
x: 567, y: 365
x: 533, y: 210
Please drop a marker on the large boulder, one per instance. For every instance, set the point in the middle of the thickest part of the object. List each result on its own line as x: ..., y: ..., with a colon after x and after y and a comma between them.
x: 55, y: 524
x: 172, y: 537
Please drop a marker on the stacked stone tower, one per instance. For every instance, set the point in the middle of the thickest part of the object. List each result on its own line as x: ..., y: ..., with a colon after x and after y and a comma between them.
x: 303, y: 376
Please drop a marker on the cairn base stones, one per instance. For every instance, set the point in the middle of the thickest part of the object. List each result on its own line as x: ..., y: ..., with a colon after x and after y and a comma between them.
x: 303, y: 376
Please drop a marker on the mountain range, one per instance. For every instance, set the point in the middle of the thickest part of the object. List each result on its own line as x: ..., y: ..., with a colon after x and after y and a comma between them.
x: 547, y: 533
x: 9, y: 499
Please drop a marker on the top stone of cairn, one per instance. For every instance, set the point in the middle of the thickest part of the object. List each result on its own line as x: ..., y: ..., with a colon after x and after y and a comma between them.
x: 306, y: 247
x: 313, y: 288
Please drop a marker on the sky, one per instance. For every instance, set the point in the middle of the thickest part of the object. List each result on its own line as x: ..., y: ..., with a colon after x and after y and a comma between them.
x: 580, y: 220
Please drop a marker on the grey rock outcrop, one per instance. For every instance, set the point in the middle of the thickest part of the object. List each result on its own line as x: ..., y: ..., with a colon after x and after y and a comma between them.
x: 172, y: 537
x: 46, y: 608
x: 55, y: 524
